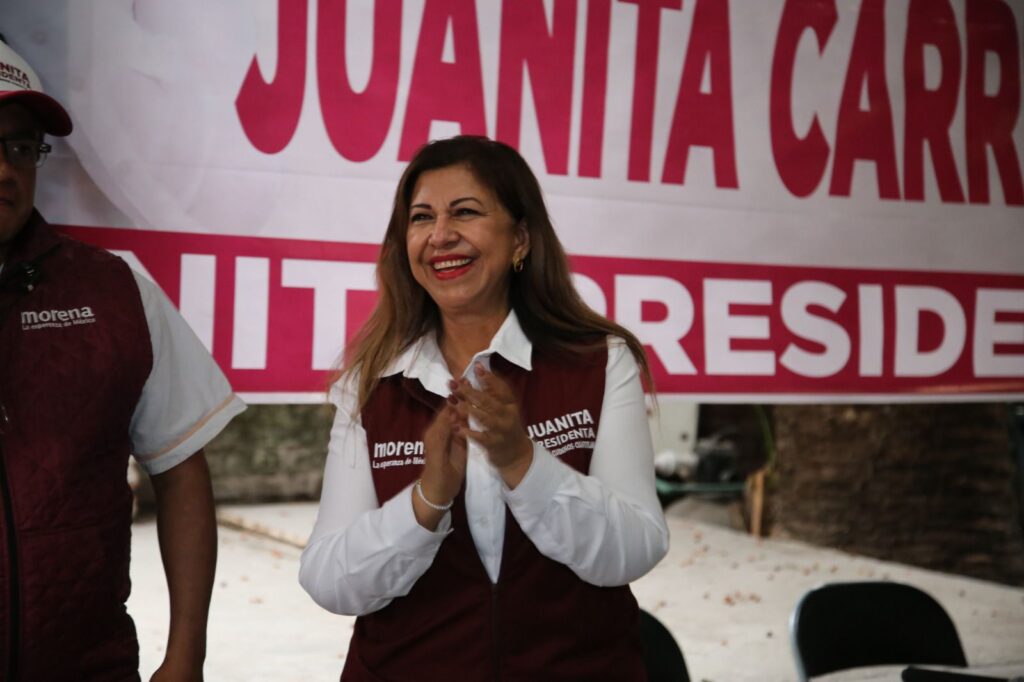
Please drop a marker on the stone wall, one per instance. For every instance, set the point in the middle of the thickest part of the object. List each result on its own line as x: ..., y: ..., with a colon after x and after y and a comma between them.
x: 271, y: 452
x: 268, y: 453
x: 930, y: 485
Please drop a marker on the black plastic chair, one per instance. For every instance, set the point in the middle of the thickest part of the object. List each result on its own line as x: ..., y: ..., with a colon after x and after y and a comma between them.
x: 662, y: 656
x: 851, y: 625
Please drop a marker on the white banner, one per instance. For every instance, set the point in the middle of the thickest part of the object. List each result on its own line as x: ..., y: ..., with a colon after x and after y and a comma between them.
x: 785, y: 199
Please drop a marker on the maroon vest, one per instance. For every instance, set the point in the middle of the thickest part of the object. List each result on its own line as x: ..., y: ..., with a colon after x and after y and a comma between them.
x: 74, y: 355
x: 540, y: 621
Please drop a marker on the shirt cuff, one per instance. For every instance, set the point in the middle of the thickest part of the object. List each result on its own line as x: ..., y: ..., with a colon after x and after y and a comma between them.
x: 543, y: 479
x: 398, y: 522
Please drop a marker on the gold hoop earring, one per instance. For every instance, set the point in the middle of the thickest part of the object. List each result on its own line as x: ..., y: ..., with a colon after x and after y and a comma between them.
x: 518, y: 264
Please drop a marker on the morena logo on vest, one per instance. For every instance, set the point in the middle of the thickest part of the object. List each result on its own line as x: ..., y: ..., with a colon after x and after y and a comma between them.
x: 56, y: 319
x: 396, y: 453
x: 570, y: 431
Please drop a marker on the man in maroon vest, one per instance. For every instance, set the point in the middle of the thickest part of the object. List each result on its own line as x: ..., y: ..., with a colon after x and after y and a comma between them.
x: 95, y: 366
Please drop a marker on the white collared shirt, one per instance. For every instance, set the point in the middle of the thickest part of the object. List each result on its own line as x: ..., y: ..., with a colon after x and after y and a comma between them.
x: 606, y: 526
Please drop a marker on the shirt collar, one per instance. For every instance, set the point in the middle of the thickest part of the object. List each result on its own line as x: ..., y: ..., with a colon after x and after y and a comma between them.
x: 423, y: 361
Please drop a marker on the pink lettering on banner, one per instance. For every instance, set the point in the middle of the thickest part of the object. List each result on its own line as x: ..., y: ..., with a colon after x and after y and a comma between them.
x: 269, y: 111
x: 800, y: 161
x: 538, y: 48
x: 528, y: 45
x: 442, y: 90
x: 866, y: 134
x: 282, y: 310
x: 864, y: 127
x: 645, y: 78
x: 930, y: 111
x: 595, y: 87
x: 358, y: 122
x: 705, y: 119
x: 990, y: 119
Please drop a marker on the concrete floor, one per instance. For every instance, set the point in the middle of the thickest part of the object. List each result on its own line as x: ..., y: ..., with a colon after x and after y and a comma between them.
x: 725, y: 596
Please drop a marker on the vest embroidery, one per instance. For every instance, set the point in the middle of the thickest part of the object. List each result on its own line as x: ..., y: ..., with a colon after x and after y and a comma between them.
x: 396, y: 453
x: 56, y: 319
x: 571, y: 431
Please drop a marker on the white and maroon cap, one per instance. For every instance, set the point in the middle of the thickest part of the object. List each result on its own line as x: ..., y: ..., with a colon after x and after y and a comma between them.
x: 19, y: 83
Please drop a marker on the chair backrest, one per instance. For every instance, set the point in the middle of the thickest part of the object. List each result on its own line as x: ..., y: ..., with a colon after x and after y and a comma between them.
x: 850, y: 625
x: 662, y: 656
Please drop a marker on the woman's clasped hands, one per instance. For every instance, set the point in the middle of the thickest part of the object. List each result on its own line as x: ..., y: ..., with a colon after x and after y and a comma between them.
x: 495, y: 412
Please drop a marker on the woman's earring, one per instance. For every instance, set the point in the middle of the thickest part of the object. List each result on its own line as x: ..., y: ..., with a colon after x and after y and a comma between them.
x: 518, y: 264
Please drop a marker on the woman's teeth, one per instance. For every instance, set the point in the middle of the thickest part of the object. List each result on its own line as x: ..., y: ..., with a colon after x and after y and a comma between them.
x: 454, y: 263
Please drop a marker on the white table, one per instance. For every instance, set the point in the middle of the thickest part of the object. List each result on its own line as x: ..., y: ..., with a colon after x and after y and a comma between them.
x: 1014, y: 671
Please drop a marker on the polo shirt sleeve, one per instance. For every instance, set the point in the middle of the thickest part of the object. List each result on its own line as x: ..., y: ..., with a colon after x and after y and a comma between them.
x: 186, y: 400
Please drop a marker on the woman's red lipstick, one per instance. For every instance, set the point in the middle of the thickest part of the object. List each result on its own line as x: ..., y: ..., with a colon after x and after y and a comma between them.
x: 451, y: 267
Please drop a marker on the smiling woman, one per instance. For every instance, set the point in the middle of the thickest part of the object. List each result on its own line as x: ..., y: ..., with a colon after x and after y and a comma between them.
x: 441, y: 517
x: 461, y: 242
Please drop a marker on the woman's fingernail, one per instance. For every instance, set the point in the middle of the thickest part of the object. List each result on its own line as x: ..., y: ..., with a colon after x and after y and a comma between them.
x: 479, y: 368
x: 452, y: 399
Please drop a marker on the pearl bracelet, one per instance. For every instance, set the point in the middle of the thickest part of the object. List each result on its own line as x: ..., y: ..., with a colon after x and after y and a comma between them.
x: 438, y: 507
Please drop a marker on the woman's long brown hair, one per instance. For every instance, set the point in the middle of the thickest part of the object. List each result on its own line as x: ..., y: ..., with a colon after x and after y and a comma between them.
x: 549, y: 309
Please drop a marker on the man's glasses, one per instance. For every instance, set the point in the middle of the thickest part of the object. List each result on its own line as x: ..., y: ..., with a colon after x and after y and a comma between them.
x: 25, y: 152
